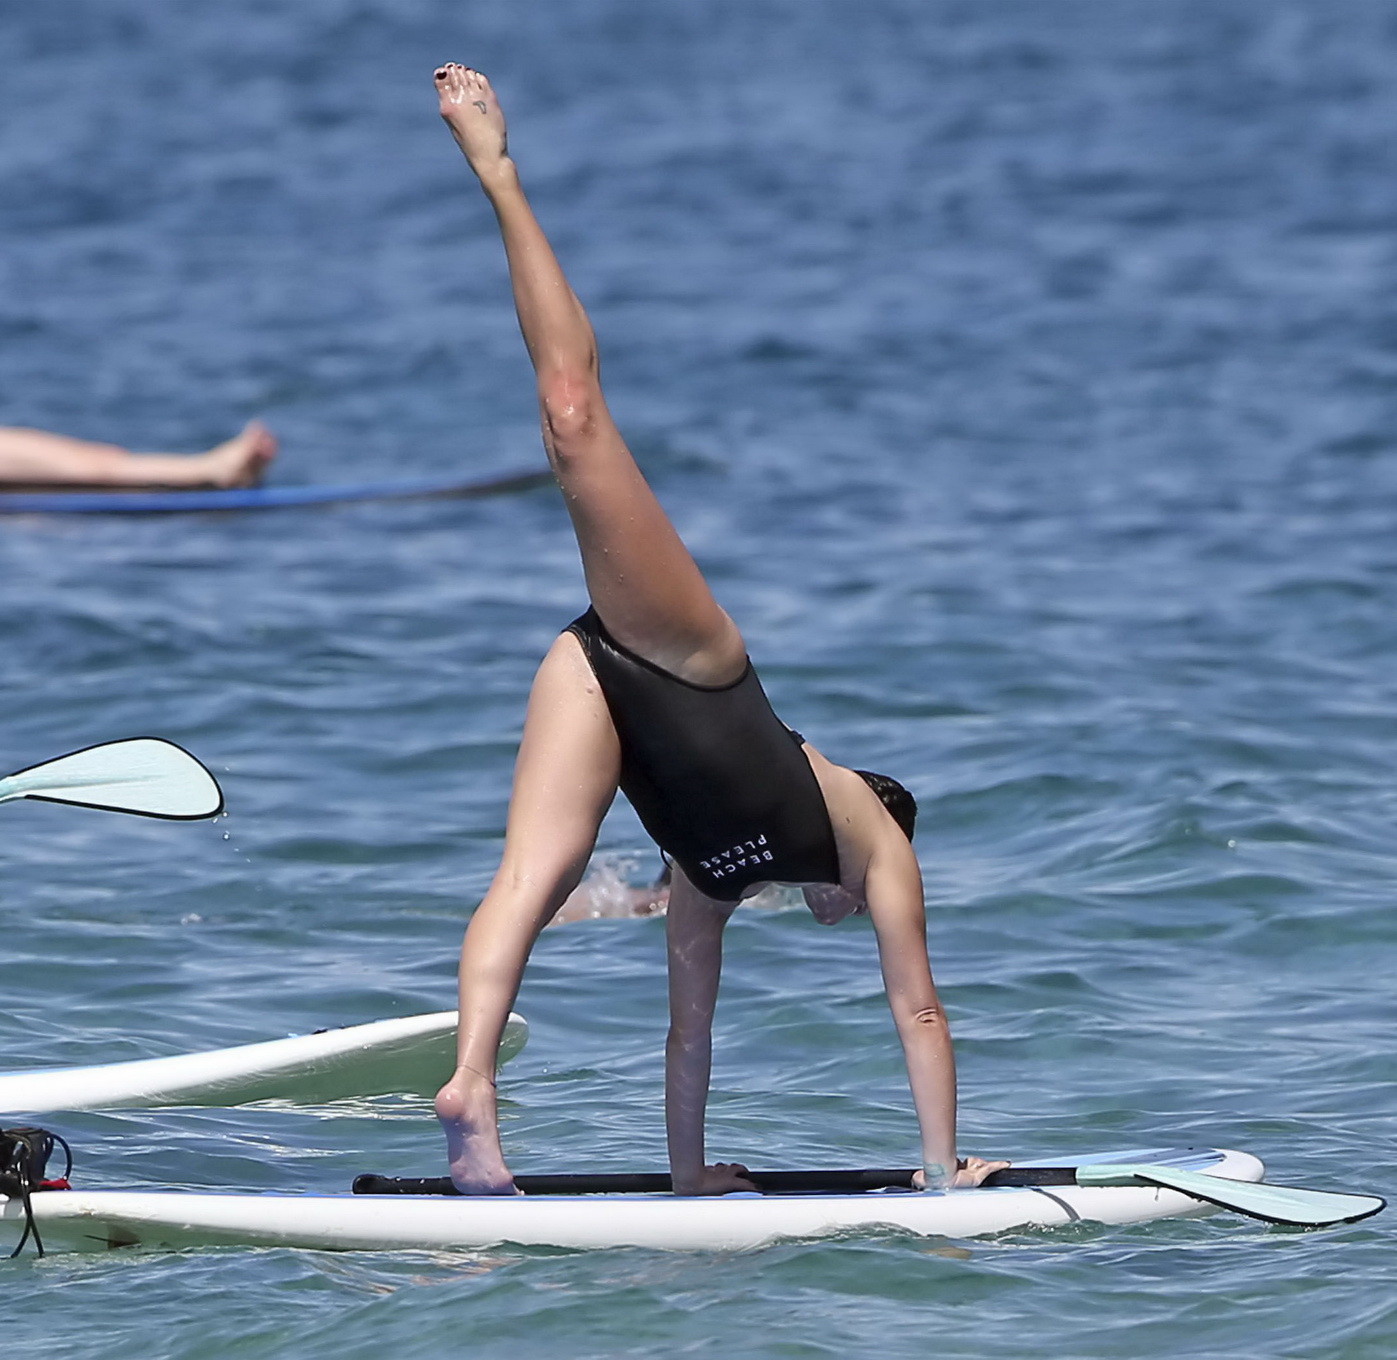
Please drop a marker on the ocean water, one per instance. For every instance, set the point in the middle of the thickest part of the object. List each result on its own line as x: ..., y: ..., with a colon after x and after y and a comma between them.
x: 1024, y: 376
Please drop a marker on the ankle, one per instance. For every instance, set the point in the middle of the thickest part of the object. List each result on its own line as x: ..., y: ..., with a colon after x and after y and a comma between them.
x: 498, y: 177
x: 467, y: 1076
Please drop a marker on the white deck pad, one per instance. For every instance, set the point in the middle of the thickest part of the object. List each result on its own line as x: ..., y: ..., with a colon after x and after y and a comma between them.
x: 97, y: 1220
x: 410, y: 1054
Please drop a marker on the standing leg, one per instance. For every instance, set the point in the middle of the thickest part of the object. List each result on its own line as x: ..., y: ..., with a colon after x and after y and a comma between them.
x: 564, y: 781
x: 642, y: 580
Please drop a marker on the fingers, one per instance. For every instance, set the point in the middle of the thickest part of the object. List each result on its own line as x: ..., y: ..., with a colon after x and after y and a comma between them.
x: 722, y: 1178
x: 974, y: 1170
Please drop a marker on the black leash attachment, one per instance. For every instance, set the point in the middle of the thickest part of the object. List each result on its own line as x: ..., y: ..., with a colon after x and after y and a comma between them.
x: 24, y: 1159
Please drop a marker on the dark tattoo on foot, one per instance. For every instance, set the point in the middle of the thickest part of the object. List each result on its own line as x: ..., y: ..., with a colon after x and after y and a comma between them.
x: 480, y: 104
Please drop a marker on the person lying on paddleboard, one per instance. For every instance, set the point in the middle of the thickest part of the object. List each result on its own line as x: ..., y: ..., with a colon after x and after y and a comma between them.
x: 37, y: 458
x: 651, y: 691
x: 604, y: 894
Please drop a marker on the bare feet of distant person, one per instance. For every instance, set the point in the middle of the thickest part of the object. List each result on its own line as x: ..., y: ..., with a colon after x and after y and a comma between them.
x: 610, y: 901
x: 469, y: 1117
x: 473, y: 114
x: 241, y: 460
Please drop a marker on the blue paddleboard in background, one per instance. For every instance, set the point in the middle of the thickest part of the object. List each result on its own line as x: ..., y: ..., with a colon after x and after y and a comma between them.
x: 257, y: 497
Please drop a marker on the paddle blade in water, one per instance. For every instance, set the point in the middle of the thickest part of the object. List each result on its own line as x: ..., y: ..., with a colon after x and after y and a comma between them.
x: 145, y: 775
x: 1270, y: 1203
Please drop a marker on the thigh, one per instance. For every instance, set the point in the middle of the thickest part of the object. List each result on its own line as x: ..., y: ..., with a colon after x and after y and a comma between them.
x: 565, y: 778
x: 644, y: 582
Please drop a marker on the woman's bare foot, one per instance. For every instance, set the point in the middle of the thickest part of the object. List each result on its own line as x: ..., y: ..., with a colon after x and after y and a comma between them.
x: 473, y: 114
x: 467, y: 1110
x: 241, y: 460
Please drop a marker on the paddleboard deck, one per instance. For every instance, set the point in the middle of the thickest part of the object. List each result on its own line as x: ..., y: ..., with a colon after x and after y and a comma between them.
x: 259, y: 497
x: 167, y: 1220
x: 409, y: 1054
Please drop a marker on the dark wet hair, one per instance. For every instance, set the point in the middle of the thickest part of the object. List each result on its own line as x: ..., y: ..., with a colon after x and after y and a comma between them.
x: 899, y: 803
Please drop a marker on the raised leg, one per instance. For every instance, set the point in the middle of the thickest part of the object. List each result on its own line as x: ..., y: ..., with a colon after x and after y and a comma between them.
x: 564, y: 781
x: 642, y: 580
x: 38, y: 458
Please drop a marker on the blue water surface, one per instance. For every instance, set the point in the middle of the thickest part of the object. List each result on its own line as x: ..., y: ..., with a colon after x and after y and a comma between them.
x: 1025, y: 377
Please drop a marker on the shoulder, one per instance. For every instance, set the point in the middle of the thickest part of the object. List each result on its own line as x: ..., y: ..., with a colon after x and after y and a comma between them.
x: 863, y: 829
x: 846, y: 795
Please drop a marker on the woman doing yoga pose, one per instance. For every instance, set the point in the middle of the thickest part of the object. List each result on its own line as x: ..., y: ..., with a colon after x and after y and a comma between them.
x: 651, y: 691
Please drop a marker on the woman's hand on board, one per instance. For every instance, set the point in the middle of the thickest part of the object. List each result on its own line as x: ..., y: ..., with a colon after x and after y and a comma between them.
x: 970, y: 1172
x: 722, y: 1178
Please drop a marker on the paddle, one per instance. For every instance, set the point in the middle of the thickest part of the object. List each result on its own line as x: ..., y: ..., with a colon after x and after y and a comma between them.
x: 148, y: 776
x: 1271, y: 1203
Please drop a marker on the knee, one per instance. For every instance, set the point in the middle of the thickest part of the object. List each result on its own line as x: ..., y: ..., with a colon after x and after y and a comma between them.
x: 540, y: 880
x: 570, y: 404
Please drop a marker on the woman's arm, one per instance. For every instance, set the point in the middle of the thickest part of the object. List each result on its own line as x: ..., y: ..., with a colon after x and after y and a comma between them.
x: 694, y: 931
x: 893, y: 887
x: 894, y: 890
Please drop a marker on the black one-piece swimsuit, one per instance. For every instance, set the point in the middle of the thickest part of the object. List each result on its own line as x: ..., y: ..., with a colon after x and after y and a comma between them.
x: 717, y: 779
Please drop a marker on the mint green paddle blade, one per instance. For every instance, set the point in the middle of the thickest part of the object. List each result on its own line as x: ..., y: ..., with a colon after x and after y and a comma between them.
x: 1270, y: 1203
x: 145, y: 775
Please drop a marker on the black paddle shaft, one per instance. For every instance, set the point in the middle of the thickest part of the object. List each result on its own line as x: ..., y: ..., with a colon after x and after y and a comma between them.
x: 658, y: 1182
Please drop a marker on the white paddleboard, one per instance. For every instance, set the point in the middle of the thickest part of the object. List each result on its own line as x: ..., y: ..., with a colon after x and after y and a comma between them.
x: 96, y: 1220
x: 411, y: 1054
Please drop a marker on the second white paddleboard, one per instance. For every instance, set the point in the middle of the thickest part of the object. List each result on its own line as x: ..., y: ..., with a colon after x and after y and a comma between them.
x: 410, y: 1054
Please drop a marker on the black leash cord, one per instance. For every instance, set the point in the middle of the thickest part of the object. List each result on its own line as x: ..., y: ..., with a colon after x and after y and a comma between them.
x: 26, y: 1152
